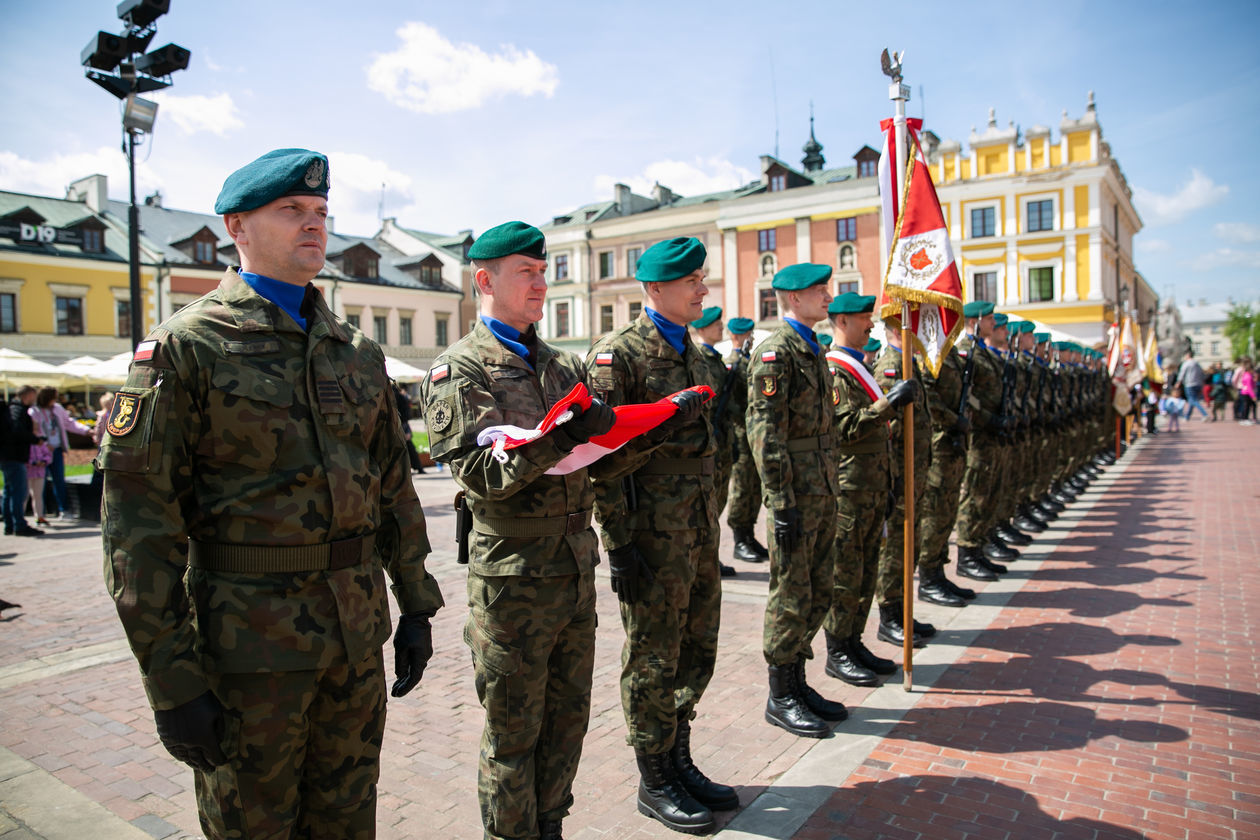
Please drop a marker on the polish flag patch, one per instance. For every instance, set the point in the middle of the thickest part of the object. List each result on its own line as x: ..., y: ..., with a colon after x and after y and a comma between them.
x: 768, y: 356
x: 145, y: 351
x: 439, y: 373
x: 603, y: 358
x: 889, y: 372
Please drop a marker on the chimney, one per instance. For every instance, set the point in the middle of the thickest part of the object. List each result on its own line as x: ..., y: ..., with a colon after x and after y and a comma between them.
x: 662, y: 195
x: 154, y: 200
x: 623, y: 198
x: 92, y: 190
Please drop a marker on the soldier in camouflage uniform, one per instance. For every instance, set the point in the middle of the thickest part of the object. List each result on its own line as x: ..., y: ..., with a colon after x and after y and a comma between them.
x: 862, y: 415
x: 870, y: 352
x: 935, y: 519
x: 745, y: 496
x: 705, y: 332
x: 530, y: 546
x: 1003, y: 488
x: 889, y: 581
x: 791, y: 415
x: 256, y: 493
x: 655, y: 497
x: 1025, y: 520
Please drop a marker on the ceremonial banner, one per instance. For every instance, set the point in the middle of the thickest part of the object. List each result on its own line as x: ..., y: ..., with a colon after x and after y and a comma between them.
x: 921, y: 268
x: 1154, y: 360
x: 1123, y: 362
x: 632, y: 421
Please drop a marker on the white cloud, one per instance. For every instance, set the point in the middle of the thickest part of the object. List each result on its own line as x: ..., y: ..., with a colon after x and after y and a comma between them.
x: 1227, y: 258
x: 1154, y: 246
x: 51, y: 176
x: 702, y: 175
x: 216, y: 114
x: 1199, y: 192
x: 1238, y: 231
x: 356, y: 191
x: 431, y: 75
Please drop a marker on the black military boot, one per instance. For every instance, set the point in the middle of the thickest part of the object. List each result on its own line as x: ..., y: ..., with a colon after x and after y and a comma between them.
x: 971, y: 564
x: 786, y: 708
x: 1011, y: 535
x: 890, y: 627
x: 934, y: 589
x: 1092, y: 469
x: 714, y: 796
x: 1050, y: 506
x: 1034, y: 512
x: 747, y: 548
x: 1063, y: 493
x: 995, y: 551
x: 1026, y: 522
x: 832, y: 711
x: 549, y: 830
x: 864, y: 656
x: 663, y: 797
x: 843, y: 665
x: 960, y: 591
x: 1077, y: 483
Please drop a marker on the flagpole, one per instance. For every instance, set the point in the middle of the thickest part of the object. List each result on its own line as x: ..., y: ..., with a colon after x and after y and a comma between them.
x: 900, y: 93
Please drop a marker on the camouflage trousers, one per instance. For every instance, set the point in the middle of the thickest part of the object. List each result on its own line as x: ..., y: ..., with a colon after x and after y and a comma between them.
x: 1012, y: 479
x: 800, y: 584
x: 936, y: 517
x: 533, y: 651
x: 721, y: 485
x: 859, y: 530
x: 888, y: 580
x: 303, y: 752
x: 977, y: 506
x: 745, y: 484
x: 671, y: 635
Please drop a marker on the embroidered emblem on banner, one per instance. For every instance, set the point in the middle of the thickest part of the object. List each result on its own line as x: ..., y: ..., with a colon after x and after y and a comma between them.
x: 125, y: 414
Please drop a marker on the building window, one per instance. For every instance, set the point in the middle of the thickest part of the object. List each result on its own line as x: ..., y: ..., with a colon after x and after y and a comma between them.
x: 632, y: 259
x: 767, y: 305
x: 635, y: 309
x: 122, y: 318
x: 605, y: 318
x: 203, y: 251
x: 371, y: 267
x: 562, y: 267
x: 1040, y: 284
x: 778, y: 183
x: 353, y: 320
x: 404, y: 332
x: 93, y: 241
x: 846, y: 230
x: 562, y: 319
x: 767, y: 265
x: 605, y: 264
x: 380, y: 328
x: 845, y: 288
x: 866, y: 168
x: 848, y: 259
x: 983, y: 222
x: 69, y: 316
x: 984, y: 285
x: 766, y: 240
x: 441, y: 326
x: 431, y: 275
x: 8, y: 312
x: 1041, y: 215
x: 1216, y: 348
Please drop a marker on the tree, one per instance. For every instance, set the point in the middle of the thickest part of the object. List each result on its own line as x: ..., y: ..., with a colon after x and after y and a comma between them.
x: 1242, y: 328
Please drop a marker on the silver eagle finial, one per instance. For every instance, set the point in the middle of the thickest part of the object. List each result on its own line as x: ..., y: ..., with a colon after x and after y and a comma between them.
x: 891, y: 65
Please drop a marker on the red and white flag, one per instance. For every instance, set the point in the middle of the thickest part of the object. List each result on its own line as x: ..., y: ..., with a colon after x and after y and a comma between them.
x: 921, y: 267
x: 632, y: 421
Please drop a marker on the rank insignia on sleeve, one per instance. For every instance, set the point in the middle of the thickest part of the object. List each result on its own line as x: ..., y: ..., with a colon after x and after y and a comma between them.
x: 439, y: 373
x: 440, y: 416
x: 145, y: 351
x: 603, y: 358
x: 125, y: 414
x: 768, y: 356
x: 769, y: 385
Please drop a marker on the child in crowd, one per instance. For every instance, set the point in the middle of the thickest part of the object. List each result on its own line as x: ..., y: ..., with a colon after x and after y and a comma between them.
x: 1174, y: 406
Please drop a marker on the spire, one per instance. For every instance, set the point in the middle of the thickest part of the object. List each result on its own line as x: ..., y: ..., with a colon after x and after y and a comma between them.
x: 813, y: 160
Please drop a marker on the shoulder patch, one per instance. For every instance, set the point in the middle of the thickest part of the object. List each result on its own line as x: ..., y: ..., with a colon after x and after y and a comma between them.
x: 768, y: 356
x: 145, y: 351
x: 890, y: 371
x: 603, y: 358
x: 439, y: 373
x: 125, y: 413
x: 962, y: 353
x: 769, y: 385
x: 440, y: 416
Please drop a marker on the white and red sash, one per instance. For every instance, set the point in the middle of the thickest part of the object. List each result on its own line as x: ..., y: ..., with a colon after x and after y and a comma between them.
x: 858, y: 371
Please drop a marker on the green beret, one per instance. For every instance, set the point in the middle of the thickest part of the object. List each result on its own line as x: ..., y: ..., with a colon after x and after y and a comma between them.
x: 1062, y: 345
x: 801, y: 276
x: 1023, y: 327
x: 1000, y: 319
x: 707, y: 316
x: 274, y: 175
x: 851, y: 303
x: 824, y: 339
x: 1041, y: 338
x: 739, y: 326
x: 872, y: 346
x: 978, y: 309
x: 670, y: 259
x: 507, y: 239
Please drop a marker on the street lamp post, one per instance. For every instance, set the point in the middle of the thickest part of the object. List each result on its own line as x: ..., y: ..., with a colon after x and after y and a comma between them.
x: 137, y: 72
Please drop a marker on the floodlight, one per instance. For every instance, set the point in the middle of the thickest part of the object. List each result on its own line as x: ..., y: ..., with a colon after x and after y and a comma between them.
x: 139, y: 114
x: 164, y: 60
x: 104, y: 51
x: 142, y: 12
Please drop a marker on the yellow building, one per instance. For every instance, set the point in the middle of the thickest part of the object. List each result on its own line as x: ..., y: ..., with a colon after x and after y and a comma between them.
x: 1043, y: 225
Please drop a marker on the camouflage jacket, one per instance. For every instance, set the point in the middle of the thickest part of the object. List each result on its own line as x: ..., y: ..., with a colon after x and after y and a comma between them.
x: 861, y: 433
x: 887, y: 374
x: 738, y: 362
x: 945, y: 390
x: 242, y: 429
x: 477, y: 383
x: 791, y: 420
x: 635, y: 364
x: 986, y: 385
x: 723, y: 424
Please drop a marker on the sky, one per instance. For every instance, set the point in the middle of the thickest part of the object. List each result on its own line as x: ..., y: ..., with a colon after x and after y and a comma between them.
x: 474, y: 113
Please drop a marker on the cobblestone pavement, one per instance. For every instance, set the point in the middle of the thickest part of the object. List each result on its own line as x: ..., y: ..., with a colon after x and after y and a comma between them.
x: 1105, y: 688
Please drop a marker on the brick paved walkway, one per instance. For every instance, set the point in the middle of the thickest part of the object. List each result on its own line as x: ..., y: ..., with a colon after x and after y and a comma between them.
x: 1103, y: 689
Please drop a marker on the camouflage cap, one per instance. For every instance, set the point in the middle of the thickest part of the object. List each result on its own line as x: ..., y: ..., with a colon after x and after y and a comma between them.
x: 707, y: 316
x: 851, y: 303
x: 507, y: 239
x: 801, y: 276
x: 274, y: 175
x: 978, y: 309
x: 670, y: 259
x: 739, y: 326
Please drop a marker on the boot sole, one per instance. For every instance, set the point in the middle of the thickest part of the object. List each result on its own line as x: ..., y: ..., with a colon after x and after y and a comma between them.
x: 703, y: 828
x: 798, y: 732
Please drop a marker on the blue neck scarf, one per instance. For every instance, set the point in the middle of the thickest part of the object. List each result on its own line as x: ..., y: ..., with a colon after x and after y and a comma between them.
x: 857, y: 354
x: 284, y: 295
x: 674, y: 334
x: 811, y: 338
x: 508, y: 335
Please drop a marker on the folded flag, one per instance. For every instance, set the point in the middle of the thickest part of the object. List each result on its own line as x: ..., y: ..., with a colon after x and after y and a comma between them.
x: 632, y: 421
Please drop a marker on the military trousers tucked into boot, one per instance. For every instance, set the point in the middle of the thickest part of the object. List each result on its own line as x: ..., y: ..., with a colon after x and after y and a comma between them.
x: 801, y: 584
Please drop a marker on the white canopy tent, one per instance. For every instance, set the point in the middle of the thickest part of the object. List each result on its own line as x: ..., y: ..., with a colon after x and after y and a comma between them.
x: 400, y: 371
x: 17, y: 369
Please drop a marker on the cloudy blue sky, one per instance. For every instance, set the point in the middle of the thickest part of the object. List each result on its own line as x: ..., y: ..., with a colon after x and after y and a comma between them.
x: 473, y: 113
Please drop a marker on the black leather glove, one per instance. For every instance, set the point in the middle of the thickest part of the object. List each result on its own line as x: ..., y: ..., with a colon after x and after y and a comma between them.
x: 631, y: 574
x: 413, y: 648
x: 903, y: 392
x: 689, y: 404
x: 583, y: 426
x: 193, y: 732
x: 788, y: 529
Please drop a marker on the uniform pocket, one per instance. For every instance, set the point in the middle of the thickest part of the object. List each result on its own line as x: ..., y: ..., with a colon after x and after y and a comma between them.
x: 249, y: 414
x: 497, y: 674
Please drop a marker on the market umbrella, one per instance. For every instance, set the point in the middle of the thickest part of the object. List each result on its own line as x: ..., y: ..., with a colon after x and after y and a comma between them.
x: 20, y: 369
x: 400, y: 371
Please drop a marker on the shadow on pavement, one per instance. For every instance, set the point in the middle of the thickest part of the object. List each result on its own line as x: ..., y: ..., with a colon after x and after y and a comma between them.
x: 1060, y: 639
